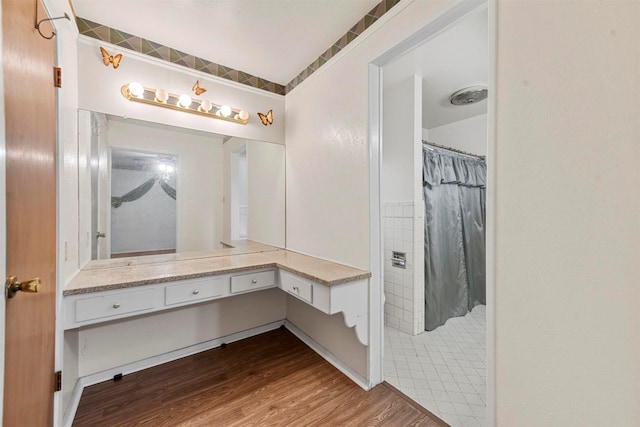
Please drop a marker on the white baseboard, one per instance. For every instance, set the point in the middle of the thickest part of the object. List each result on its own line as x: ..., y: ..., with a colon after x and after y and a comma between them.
x: 72, y: 406
x: 328, y: 356
x: 130, y: 368
x: 98, y: 377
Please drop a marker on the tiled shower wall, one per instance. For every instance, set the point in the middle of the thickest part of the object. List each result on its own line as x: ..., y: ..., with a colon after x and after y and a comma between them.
x: 404, y: 288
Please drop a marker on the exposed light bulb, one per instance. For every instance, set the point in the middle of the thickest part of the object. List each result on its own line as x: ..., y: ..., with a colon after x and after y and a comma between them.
x: 205, y: 105
x: 136, y: 89
x: 243, y: 115
x: 162, y: 95
x: 162, y: 167
x: 225, y: 110
x: 184, y: 101
x: 169, y: 169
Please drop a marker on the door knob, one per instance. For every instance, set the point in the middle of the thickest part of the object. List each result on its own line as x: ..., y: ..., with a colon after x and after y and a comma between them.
x: 13, y: 286
x: 99, y: 235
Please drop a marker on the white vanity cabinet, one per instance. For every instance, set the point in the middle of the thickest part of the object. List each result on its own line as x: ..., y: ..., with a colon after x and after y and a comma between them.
x: 103, y: 306
x: 253, y: 281
x: 87, y: 309
x: 350, y: 298
x: 114, y: 305
x: 85, y: 305
x: 193, y: 291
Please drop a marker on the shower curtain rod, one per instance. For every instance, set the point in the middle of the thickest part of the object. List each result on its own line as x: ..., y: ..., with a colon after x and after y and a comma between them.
x: 442, y: 147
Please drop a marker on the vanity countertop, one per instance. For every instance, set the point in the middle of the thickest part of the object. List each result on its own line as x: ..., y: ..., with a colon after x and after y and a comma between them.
x: 122, y: 273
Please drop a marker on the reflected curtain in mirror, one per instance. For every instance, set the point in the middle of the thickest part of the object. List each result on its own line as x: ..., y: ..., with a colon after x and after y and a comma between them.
x: 143, y: 220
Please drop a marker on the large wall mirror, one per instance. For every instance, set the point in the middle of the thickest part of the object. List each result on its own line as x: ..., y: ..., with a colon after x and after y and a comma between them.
x: 147, y: 188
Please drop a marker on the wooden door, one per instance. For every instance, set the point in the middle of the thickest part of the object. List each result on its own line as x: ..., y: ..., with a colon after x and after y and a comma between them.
x: 30, y: 123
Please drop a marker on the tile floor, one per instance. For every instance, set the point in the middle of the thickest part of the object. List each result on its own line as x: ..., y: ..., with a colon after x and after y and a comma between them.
x: 443, y: 370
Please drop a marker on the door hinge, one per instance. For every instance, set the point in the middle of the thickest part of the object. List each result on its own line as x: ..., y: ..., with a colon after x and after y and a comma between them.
x: 58, y: 381
x: 57, y: 76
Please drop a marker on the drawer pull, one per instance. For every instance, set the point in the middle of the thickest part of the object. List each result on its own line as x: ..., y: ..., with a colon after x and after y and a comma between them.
x: 254, y: 281
x: 195, y: 292
x: 116, y: 305
x: 295, y: 288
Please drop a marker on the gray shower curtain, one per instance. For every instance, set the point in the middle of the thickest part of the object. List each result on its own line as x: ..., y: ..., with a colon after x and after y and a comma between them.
x: 454, y: 244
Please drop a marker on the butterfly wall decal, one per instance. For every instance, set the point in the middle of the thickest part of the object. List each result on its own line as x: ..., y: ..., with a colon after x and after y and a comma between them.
x: 110, y: 59
x: 266, y: 119
x: 197, y: 89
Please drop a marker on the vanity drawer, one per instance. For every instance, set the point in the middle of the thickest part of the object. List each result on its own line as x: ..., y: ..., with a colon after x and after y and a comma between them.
x: 194, y: 291
x: 297, y: 287
x: 114, y: 304
x: 253, y: 281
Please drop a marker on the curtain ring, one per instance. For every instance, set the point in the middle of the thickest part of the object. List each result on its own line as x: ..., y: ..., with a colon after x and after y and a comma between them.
x: 53, y: 33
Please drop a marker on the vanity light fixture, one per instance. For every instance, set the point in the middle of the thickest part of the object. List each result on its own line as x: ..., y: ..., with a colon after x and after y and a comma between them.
x: 161, y: 98
x: 184, y: 101
x: 136, y: 89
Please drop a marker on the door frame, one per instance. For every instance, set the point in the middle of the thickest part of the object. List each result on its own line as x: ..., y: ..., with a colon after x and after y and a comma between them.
x: 3, y: 224
x: 375, y: 139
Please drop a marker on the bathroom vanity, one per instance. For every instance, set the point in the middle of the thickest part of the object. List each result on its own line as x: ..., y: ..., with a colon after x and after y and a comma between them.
x: 111, y: 298
x: 108, y: 290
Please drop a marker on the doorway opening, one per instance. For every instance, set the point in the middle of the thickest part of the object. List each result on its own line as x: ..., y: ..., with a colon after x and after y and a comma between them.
x: 239, y: 193
x: 437, y: 317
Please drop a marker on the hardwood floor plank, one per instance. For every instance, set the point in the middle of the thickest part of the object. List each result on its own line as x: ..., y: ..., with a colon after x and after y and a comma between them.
x: 272, y: 379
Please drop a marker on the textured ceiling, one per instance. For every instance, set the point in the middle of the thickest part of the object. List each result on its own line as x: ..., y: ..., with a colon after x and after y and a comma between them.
x: 271, y: 39
x: 454, y: 59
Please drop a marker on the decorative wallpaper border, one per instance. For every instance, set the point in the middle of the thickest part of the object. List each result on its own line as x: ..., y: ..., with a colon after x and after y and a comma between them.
x: 148, y: 47
x: 369, y: 19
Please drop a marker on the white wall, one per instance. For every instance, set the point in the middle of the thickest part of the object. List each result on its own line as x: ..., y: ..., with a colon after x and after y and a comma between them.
x: 568, y: 213
x: 266, y: 190
x: 330, y: 332
x: 99, y: 90
x: 67, y: 178
x: 67, y: 59
x: 85, y: 236
x: 199, y: 177
x: 468, y: 135
x: 233, y: 145
x: 70, y: 365
x: 327, y: 150
x: 568, y: 235
x: 327, y: 147
x: 266, y: 193
x: 401, y: 188
x: 399, y: 124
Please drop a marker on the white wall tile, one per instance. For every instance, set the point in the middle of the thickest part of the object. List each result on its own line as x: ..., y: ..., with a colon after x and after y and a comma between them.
x: 399, y: 283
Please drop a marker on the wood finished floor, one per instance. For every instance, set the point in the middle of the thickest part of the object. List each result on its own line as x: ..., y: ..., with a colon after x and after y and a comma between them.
x: 272, y: 379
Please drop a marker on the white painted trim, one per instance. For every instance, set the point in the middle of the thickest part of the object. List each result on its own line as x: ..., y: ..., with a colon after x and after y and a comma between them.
x: 375, y: 352
x: 72, y: 406
x: 150, y: 362
x: 491, y: 237
x: 174, y: 67
x: 447, y: 19
x: 327, y: 355
x: 58, y: 358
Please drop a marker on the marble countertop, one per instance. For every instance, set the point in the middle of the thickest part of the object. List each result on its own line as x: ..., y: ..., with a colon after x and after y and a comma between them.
x: 123, y: 273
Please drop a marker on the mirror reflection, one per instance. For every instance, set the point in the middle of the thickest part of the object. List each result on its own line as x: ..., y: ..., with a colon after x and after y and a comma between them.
x: 148, y: 188
x: 143, y: 203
